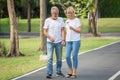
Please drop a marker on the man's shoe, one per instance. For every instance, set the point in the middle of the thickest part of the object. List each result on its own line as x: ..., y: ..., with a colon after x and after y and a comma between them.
x: 60, y: 75
x: 49, y: 76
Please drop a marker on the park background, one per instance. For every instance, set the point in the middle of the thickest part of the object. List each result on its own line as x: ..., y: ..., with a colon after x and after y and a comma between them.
x: 10, y: 67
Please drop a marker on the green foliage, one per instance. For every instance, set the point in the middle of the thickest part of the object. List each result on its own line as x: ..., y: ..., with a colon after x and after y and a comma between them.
x: 20, y: 8
x: 109, y: 8
x: 3, y: 8
x: 80, y: 6
x: 3, y: 49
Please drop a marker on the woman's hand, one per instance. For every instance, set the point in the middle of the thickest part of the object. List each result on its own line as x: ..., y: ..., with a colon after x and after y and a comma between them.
x: 71, y: 28
x: 78, y: 30
x: 63, y: 42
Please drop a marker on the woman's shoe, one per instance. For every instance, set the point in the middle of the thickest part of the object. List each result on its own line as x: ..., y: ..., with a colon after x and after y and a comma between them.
x: 73, y: 76
x: 68, y: 75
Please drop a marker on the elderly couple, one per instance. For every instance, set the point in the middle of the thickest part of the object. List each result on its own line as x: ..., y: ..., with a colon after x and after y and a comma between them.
x: 57, y: 37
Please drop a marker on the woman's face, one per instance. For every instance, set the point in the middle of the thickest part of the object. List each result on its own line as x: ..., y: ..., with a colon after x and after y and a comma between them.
x: 70, y: 15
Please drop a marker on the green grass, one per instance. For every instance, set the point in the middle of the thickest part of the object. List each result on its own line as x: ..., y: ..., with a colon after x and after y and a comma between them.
x: 12, y: 67
x: 104, y: 25
x: 22, y: 25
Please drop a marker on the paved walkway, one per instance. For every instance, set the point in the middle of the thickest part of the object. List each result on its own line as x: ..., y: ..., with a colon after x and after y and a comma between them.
x: 27, y: 34
x: 99, y: 64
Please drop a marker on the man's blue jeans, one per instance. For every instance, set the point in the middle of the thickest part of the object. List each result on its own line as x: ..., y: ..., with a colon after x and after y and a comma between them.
x: 72, y: 47
x: 50, y: 50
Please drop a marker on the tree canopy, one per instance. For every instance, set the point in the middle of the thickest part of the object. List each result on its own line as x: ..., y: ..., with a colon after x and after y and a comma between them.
x: 81, y: 7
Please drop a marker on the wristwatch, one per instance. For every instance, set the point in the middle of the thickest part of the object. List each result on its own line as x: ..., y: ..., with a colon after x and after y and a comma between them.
x: 63, y: 40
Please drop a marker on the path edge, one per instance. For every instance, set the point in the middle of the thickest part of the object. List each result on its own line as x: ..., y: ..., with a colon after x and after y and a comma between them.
x: 64, y: 60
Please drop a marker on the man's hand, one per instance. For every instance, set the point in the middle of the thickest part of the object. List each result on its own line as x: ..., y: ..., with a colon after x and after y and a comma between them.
x: 52, y: 39
x: 48, y: 36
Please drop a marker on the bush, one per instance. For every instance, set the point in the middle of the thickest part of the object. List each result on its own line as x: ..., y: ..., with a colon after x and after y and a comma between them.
x: 3, y: 49
x: 109, y: 8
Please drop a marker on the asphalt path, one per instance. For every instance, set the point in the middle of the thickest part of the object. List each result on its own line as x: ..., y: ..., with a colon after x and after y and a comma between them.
x: 98, y: 64
x: 34, y: 34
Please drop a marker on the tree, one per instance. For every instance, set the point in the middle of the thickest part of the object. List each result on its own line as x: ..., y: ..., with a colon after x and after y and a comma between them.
x: 42, y: 18
x: 81, y: 8
x: 31, y: 4
x: 14, y: 41
x: 93, y: 16
x: 28, y: 15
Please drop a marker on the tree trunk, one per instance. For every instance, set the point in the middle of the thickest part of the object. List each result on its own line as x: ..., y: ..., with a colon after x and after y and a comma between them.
x: 95, y: 33
x: 42, y: 18
x: 28, y: 15
x: 95, y: 17
x: 89, y: 26
x: 14, y: 41
x: 92, y: 22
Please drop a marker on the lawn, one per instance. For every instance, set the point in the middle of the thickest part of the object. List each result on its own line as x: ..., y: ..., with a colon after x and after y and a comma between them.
x: 104, y: 25
x: 12, y: 67
x: 22, y: 25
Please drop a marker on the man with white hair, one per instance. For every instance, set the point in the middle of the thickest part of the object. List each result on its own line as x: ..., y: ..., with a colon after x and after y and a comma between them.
x: 54, y: 31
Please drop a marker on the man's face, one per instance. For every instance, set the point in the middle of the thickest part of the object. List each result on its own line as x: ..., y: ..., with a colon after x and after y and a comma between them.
x: 54, y: 13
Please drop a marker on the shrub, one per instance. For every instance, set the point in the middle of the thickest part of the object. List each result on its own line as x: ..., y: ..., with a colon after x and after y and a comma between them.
x: 3, y: 49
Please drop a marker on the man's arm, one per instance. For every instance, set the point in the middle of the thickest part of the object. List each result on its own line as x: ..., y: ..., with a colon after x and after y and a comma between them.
x: 48, y: 36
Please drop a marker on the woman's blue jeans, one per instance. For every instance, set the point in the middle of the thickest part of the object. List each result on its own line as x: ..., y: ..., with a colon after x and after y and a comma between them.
x: 72, y: 47
x: 50, y: 50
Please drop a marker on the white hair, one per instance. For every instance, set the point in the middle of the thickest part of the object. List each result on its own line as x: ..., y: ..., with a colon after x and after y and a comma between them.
x: 54, y: 8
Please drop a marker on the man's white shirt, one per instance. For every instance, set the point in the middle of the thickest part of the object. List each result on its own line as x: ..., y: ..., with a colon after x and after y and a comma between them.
x: 54, y: 28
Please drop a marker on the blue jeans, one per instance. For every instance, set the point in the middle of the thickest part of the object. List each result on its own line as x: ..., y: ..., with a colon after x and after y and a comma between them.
x: 72, y: 47
x: 50, y: 50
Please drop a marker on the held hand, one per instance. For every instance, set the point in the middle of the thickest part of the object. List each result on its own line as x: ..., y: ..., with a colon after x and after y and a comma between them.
x: 63, y: 43
x: 52, y: 39
x: 71, y: 28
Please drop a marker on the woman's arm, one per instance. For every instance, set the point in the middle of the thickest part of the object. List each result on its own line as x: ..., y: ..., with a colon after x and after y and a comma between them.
x: 63, y: 36
x: 78, y: 30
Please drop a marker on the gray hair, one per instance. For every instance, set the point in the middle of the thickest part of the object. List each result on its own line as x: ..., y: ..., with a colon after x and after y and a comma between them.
x: 54, y: 8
